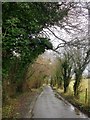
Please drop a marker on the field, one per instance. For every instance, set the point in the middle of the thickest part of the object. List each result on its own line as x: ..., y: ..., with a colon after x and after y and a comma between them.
x: 83, y: 102
x: 83, y: 86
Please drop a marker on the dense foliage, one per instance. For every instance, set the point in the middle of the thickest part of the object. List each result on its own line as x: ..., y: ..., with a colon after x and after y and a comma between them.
x: 22, y: 43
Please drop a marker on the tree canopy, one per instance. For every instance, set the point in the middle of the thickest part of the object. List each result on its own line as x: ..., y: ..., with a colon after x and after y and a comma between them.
x: 21, y: 39
x: 22, y: 23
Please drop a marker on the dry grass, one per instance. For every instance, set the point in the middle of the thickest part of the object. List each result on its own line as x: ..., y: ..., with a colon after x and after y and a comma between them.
x: 17, y: 107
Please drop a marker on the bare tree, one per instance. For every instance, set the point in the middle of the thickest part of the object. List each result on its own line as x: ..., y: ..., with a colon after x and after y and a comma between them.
x: 81, y: 58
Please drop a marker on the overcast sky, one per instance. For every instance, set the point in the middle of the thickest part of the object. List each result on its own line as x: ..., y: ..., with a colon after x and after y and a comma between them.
x: 82, y: 20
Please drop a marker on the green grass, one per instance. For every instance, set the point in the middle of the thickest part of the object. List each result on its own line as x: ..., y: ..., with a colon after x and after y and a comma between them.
x: 84, y: 84
x: 80, y: 102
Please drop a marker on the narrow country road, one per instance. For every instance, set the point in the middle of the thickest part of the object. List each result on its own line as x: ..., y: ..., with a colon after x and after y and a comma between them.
x: 48, y: 106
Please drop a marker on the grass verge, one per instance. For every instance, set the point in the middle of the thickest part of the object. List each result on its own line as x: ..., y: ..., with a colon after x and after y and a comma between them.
x: 78, y: 102
x: 18, y: 106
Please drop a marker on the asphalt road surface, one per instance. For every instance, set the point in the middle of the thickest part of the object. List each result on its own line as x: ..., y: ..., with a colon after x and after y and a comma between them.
x: 49, y: 106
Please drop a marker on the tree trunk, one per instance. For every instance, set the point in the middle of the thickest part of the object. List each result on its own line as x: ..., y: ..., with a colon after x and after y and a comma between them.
x: 66, y: 84
x: 65, y: 89
x: 77, y: 84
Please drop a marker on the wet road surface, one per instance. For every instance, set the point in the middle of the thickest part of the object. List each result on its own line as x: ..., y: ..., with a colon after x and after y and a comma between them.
x: 48, y: 106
